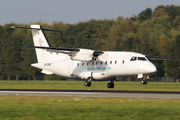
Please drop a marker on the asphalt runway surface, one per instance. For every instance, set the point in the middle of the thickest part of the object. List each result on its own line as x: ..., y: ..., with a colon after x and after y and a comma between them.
x: 91, y: 93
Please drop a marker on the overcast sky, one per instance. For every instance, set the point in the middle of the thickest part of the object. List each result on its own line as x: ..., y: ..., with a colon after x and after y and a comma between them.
x: 72, y: 11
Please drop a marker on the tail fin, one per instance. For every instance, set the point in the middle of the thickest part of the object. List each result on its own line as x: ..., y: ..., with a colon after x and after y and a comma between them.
x: 39, y: 39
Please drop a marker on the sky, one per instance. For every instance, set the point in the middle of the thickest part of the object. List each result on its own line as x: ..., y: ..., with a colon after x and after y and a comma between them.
x: 73, y: 11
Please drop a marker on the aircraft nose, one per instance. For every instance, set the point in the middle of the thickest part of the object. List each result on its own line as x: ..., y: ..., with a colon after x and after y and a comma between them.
x: 152, y: 68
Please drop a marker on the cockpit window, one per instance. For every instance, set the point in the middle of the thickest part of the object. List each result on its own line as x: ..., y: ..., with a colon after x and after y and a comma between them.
x: 133, y: 58
x: 142, y: 58
x: 138, y: 58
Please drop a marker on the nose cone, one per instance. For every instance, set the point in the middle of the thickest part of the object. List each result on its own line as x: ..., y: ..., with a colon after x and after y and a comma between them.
x: 151, y: 68
x: 146, y: 67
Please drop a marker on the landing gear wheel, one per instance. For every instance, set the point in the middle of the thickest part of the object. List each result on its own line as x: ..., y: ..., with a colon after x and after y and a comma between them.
x: 110, y: 85
x: 144, y: 79
x: 144, y: 82
x: 86, y: 83
x: 89, y: 83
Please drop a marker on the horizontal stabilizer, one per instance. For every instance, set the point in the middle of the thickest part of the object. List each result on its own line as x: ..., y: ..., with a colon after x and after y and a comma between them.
x: 54, y: 48
x: 156, y: 58
x: 40, y: 39
x: 34, y: 28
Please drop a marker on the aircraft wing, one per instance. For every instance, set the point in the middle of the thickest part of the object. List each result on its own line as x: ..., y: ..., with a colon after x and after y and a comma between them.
x: 74, y: 53
x: 56, y: 49
x: 156, y: 58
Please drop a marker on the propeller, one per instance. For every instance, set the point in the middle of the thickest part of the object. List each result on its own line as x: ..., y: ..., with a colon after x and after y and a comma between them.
x: 96, y: 54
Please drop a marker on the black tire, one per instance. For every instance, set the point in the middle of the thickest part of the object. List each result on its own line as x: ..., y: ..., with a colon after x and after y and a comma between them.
x: 89, y: 83
x: 142, y: 82
x: 112, y: 85
x: 85, y: 83
x: 109, y: 85
x: 145, y: 82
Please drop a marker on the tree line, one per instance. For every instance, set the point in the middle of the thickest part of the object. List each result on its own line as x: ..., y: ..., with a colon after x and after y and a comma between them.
x: 151, y: 32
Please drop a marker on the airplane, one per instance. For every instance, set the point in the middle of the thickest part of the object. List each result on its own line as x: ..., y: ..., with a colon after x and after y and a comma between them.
x: 86, y: 64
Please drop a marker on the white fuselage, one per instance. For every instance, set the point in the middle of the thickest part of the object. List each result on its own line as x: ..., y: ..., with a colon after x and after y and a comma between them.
x: 86, y: 63
x: 107, y: 66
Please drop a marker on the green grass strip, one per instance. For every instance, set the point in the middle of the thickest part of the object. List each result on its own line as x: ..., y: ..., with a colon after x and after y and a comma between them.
x: 79, y: 85
x: 67, y: 108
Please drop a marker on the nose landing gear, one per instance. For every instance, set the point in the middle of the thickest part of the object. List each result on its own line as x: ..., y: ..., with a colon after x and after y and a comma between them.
x: 144, y: 81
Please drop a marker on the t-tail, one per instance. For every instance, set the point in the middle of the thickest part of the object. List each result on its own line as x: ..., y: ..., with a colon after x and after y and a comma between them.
x: 40, y: 39
x: 41, y: 43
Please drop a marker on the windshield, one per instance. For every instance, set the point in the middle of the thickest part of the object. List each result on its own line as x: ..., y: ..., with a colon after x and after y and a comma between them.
x: 142, y: 58
x: 133, y: 58
x: 138, y: 58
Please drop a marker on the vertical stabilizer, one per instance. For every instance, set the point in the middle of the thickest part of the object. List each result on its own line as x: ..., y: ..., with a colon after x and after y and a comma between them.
x: 39, y: 39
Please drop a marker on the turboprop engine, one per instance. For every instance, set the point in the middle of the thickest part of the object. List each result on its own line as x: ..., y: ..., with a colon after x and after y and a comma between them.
x: 85, y: 55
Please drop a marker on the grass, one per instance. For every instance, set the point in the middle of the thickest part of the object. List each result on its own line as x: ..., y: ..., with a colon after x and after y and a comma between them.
x: 79, y: 85
x: 74, y: 108
x: 62, y: 108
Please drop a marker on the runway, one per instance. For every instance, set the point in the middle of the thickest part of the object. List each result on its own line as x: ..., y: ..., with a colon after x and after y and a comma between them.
x: 91, y: 93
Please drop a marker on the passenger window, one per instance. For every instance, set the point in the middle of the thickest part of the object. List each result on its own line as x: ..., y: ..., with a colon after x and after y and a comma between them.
x: 92, y: 63
x: 106, y: 63
x: 96, y: 63
x: 123, y: 62
x: 111, y: 62
x: 115, y: 62
x: 87, y: 63
x: 78, y: 64
x: 133, y: 58
x: 101, y: 62
x: 82, y: 64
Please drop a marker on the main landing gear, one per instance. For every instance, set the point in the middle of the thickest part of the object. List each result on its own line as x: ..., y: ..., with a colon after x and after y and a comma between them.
x: 110, y: 84
x: 87, y: 83
x: 144, y: 81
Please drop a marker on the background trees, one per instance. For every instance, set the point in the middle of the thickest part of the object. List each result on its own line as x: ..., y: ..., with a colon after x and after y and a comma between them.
x: 151, y: 32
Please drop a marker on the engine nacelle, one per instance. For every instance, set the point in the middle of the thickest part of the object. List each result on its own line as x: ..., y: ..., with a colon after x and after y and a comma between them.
x: 82, y: 55
x: 85, y: 55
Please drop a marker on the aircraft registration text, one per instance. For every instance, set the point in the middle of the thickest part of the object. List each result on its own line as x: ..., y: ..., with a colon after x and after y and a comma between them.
x: 47, y: 64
